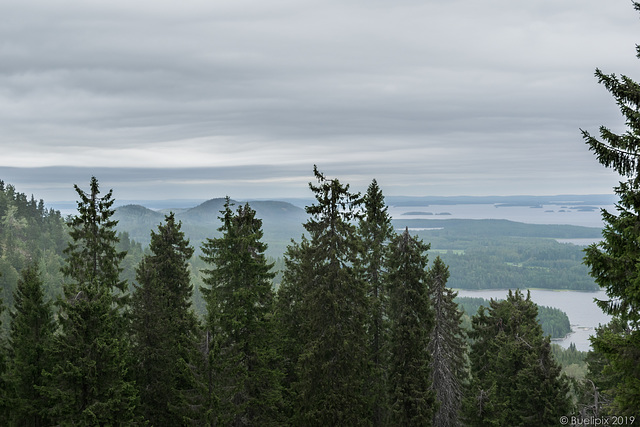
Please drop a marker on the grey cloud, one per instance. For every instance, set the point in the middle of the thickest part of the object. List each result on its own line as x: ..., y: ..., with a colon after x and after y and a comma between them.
x: 473, y: 88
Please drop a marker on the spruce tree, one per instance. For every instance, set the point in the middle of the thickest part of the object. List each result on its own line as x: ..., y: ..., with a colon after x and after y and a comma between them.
x: 3, y: 360
x: 597, y: 391
x: 613, y: 262
x: 245, y: 378
x: 90, y: 383
x: 412, y: 399
x: 375, y: 231
x: 32, y: 328
x: 290, y: 318
x: 515, y: 380
x: 328, y: 300
x: 447, y: 347
x: 165, y: 330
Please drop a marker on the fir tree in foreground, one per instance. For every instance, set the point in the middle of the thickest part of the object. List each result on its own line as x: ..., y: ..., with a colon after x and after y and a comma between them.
x: 613, y: 262
x: 244, y: 375
x: 447, y: 347
x: 3, y: 360
x: 412, y: 399
x: 375, y: 230
x: 32, y: 329
x: 165, y: 331
x: 289, y: 317
x: 515, y: 380
x: 597, y: 391
x: 90, y: 382
x: 328, y: 307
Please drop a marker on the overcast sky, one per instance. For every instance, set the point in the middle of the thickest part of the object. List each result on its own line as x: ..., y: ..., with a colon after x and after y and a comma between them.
x: 199, y: 99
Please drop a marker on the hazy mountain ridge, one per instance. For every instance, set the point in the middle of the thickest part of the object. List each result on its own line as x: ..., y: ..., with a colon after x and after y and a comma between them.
x: 281, y: 221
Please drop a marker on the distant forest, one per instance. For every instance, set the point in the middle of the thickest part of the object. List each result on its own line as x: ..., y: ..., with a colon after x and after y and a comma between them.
x: 554, y: 322
x: 482, y: 254
x: 351, y: 325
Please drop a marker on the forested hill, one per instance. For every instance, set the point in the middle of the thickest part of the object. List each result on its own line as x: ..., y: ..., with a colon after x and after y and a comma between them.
x: 281, y: 221
x: 29, y: 232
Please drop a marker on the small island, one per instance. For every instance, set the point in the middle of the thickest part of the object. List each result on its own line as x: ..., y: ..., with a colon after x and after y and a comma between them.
x: 418, y: 213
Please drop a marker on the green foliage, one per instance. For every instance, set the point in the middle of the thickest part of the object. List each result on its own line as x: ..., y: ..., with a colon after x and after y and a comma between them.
x: 89, y: 383
x: 572, y: 360
x: 412, y: 398
x: 165, y: 330
x: 513, y: 262
x: 447, y: 347
x: 515, y: 380
x: 482, y: 254
x: 244, y: 376
x: 325, y: 298
x: 29, y: 234
x: 613, y: 262
x: 597, y: 393
x: 290, y: 318
x: 375, y: 231
x: 554, y: 322
x: 3, y: 361
x: 32, y: 328
x: 352, y: 338
x: 133, y: 257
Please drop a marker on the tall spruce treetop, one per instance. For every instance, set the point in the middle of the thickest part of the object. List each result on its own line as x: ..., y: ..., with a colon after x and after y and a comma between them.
x: 515, y: 380
x: 245, y: 379
x: 165, y: 329
x: 331, y: 220
x: 613, y: 262
x: 92, y: 257
x: 375, y: 230
x: 90, y: 383
x: 412, y: 399
x: 32, y: 328
x: 331, y: 308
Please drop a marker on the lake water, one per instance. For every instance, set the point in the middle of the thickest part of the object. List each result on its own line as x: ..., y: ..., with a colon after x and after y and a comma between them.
x: 584, y: 314
x: 545, y: 214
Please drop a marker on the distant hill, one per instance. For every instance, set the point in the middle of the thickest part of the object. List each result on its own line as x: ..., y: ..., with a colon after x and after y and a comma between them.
x: 281, y: 221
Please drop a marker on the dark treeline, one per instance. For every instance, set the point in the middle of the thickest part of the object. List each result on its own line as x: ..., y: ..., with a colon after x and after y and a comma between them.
x: 503, y: 262
x: 362, y: 330
x: 29, y: 233
x: 554, y: 322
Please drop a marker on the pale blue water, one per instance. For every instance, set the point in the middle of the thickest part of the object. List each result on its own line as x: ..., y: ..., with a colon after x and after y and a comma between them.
x: 584, y: 314
x: 547, y: 214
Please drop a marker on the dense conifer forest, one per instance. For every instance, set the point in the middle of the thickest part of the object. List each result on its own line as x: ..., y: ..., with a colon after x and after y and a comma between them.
x: 355, y: 325
x: 362, y: 328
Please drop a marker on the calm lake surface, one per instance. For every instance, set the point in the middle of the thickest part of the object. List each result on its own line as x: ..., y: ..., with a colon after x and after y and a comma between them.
x: 545, y: 214
x: 583, y: 313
